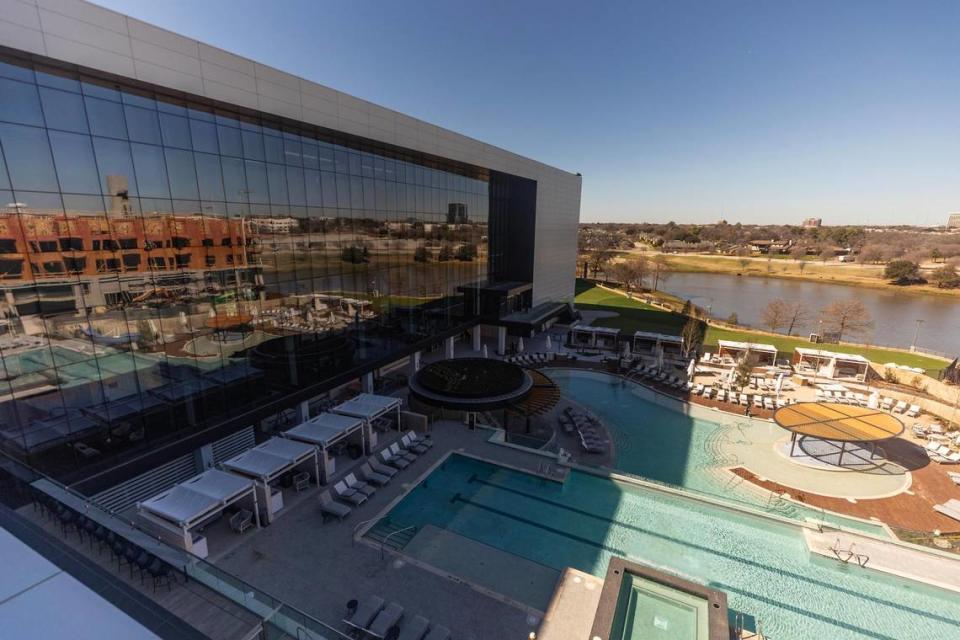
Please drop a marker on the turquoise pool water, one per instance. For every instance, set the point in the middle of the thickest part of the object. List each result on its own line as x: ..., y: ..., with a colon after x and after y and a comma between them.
x: 663, y: 444
x: 762, y: 565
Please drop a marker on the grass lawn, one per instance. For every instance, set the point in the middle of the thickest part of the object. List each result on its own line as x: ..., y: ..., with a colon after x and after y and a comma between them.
x: 635, y: 315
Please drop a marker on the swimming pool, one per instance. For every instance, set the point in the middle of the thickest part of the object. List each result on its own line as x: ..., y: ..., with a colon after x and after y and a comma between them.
x: 762, y: 565
x: 661, y: 443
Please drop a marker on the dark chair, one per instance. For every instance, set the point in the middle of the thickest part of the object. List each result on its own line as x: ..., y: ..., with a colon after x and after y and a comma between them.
x: 143, y: 562
x: 139, y: 561
x: 160, y: 572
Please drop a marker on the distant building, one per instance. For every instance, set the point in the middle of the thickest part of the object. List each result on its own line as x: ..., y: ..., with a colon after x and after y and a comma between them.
x: 812, y: 223
x: 953, y: 221
x: 275, y: 225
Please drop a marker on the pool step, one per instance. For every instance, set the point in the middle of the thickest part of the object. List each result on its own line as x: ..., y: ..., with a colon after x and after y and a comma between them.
x: 392, y: 535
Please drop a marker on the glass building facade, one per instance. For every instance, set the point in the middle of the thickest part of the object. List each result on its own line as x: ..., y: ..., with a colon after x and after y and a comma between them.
x: 171, y: 267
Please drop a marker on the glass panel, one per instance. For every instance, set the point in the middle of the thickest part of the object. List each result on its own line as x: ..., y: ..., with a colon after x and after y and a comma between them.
x: 204, y: 135
x: 142, y: 124
x: 209, y: 176
x: 252, y: 145
x: 277, y: 177
x: 27, y: 152
x: 273, y: 149
x: 106, y: 118
x: 76, y: 168
x: 234, y: 180
x: 257, y: 190
x: 4, y: 180
x: 64, y: 110
x: 20, y: 103
x: 115, y: 165
x: 229, y: 138
x: 175, y: 131
x: 183, y: 175
x: 151, y: 171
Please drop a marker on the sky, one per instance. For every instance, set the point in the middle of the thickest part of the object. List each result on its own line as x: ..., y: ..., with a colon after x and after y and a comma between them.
x: 750, y: 111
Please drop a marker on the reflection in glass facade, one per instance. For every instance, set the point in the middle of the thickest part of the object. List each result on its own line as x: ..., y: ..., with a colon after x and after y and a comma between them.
x: 168, y: 266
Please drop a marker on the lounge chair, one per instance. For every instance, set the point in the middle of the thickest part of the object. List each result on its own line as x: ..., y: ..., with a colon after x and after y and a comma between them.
x: 364, y: 614
x: 758, y: 401
x: 438, y: 632
x: 359, y: 485
x: 744, y: 400
x: 400, y: 452
x: 708, y: 393
x: 374, y: 477
x: 415, y: 629
x: 768, y: 403
x: 698, y: 390
x: 388, y: 617
x: 410, y: 443
x: 330, y: 508
x: 950, y: 508
x: 381, y: 469
x: 346, y: 494
x: 419, y: 440
x: 901, y: 406
x: 394, y: 461
x: 913, y: 411
x: 887, y: 404
x: 954, y: 476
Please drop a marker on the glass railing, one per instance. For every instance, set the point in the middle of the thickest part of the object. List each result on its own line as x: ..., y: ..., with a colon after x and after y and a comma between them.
x: 19, y: 487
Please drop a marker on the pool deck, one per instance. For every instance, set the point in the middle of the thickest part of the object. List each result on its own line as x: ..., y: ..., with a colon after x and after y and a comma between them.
x: 572, y: 608
x: 318, y: 566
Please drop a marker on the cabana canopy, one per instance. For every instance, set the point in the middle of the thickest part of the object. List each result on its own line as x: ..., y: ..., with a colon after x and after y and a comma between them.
x: 194, y: 500
x: 733, y: 345
x: 651, y: 336
x: 833, y: 364
x: 325, y: 429
x: 832, y: 355
x: 367, y: 406
x: 271, y: 459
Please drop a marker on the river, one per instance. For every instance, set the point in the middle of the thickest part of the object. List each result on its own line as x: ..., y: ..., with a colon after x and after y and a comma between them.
x: 894, y: 313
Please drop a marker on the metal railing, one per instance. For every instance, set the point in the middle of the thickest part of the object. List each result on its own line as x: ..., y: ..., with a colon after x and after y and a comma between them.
x: 383, y: 542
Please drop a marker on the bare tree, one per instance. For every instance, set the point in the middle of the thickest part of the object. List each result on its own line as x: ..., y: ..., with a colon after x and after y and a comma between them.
x: 599, y: 259
x: 826, y: 253
x: 633, y: 271
x: 847, y: 317
x: 661, y: 269
x: 693, y: 333
x: 781, y: 313
x: 744, y: 254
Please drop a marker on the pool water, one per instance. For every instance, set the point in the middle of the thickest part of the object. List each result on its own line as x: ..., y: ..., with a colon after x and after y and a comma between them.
x: 762, y: 565
x: 647, y: 610
x: 663, y: 444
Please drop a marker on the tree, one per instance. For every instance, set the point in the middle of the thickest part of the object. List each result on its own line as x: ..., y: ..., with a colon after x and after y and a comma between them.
x: 935, y: 254
x: 827, y: 252
x: 744, y: 254
x: 847, y: 317
x: 743, y: 370
x: 466, y: 252
x: 661, y: 269
x: 780, y: 313
x: 946, y: 277
x: 798, y: 252
x: 631, y: 272
x: 687, y: 309
x: 903, y: 272
x: 445, y: 253
x: 599, y: 258
x: 733, y: 318
x: 420, y: 255
x: 355, y: 255
x: 693, y: 333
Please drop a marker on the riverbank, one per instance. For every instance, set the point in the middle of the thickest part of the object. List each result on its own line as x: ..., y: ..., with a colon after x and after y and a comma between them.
x: 635, y: 315
x: 804, y: 270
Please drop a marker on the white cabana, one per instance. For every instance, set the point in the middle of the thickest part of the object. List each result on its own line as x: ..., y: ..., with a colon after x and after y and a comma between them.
x: 765, y: 354
x: 651, y: 341
x: 369, y: 407
x: 268, y: 462
x: 830, y: 364
x: 594, y: 337
x: 174, y: 514
x: 324, y: 431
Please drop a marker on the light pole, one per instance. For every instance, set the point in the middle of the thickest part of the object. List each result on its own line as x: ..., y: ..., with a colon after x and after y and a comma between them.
x: 913, y: 346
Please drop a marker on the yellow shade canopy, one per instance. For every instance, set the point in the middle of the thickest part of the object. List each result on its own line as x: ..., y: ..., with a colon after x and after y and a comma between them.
x: 838, y: 422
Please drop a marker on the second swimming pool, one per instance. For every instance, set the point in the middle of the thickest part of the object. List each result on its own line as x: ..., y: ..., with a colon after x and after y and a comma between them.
x: 498, y: 527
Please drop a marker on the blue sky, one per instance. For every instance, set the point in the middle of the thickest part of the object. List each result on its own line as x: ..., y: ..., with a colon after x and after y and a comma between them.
x: 766, y: 111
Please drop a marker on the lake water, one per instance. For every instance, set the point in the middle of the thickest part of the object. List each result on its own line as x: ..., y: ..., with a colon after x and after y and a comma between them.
x: 894, y: 314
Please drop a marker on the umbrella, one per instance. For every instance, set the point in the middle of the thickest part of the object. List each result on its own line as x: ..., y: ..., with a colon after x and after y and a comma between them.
x: 691, y: 369
x: 485, y: 352
x: 874, y: 400
x: 549, y: 343
x: 659, y: 359
x: 626, y: 349
x: 779, y: 384
x: 520, y: 344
